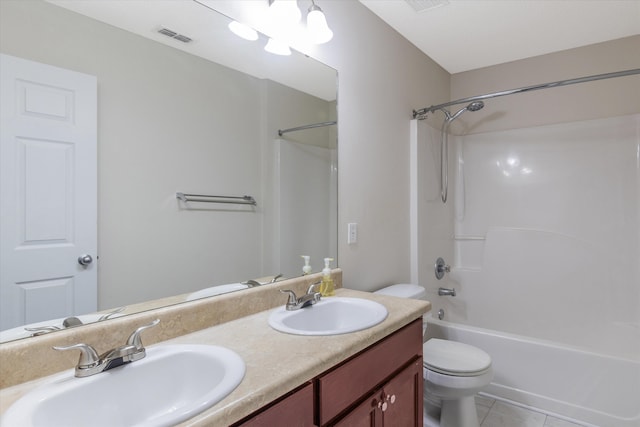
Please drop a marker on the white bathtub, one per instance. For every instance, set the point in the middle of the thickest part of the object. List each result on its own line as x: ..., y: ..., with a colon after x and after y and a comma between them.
x: 594, y: 389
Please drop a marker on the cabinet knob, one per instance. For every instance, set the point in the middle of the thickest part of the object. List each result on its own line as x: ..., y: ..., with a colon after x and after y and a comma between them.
x: 384, y: 401
x: 380, y: 404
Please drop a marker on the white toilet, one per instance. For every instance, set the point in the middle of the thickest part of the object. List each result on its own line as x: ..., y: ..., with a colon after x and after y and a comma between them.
x: 453, y: 372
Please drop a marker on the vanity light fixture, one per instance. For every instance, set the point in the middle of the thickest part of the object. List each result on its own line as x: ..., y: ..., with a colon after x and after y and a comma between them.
x: 277, y: 47
x: 317, y: 26
x: 285, y: 19
x: 243, y: 31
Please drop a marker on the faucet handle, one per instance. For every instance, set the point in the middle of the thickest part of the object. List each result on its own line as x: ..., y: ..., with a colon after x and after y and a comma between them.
x: 293, y: 299
x: 440, y: 268
x: 252, y: 283
x: 134, y: 338
x: 88, y: 355
x: 312, y: 286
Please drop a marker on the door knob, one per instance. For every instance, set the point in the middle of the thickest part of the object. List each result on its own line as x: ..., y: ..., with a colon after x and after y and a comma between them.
x: 85, y: 259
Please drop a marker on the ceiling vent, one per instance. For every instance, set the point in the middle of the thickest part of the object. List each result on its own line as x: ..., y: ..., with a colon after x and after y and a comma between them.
x: 423, y: 5
x: 170, y: 33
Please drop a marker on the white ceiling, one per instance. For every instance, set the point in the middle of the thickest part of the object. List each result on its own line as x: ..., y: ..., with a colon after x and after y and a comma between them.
x: 463, y: 35
x: 460, y: 35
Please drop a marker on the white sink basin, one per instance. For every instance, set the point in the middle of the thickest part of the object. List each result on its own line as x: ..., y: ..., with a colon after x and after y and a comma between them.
x: 216, y: 290
x: 330, y: 316
x: 171, y: 384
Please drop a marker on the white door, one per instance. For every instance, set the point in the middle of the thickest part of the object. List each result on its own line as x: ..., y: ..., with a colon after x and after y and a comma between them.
x: 48, y: 192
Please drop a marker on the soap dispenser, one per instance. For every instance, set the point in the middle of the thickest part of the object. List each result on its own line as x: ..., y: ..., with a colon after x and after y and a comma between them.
x: 306, y: 268
x: 327, y: 288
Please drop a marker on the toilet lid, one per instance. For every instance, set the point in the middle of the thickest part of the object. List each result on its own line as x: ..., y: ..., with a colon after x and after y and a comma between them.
x: 454, y: 358
x: 403, y: 290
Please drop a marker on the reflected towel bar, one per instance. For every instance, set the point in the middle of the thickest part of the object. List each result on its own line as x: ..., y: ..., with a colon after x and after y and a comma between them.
x: 468, y: 237
x: 238, y: 200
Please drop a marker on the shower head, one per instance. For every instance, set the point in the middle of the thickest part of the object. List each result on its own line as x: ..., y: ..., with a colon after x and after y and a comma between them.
x: 474, y: 106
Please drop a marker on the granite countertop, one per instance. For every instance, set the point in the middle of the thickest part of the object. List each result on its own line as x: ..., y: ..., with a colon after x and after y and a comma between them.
x: 276, y: 363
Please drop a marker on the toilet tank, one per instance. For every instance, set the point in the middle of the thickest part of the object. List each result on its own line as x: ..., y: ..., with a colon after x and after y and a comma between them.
x: 404, y: 290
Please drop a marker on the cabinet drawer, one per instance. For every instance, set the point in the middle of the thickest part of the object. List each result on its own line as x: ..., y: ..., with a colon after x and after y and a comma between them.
x: 296, y: 409
x: 355, y: 378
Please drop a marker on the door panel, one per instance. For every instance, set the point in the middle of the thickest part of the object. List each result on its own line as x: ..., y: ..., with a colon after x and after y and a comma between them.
x: 45, y: 173
x: 48, y: 192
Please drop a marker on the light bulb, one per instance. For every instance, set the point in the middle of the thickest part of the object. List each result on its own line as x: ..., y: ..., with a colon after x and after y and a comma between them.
x: 317, y: 26
x: 243, y: 31
x: 285, y: 12
x: 278, y: 48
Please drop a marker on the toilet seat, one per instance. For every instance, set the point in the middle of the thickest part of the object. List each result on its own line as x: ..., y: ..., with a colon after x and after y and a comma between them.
x: 455, y: 358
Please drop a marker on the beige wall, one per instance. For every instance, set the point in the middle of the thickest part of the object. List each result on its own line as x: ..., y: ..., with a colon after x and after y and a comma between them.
x: 381, y: 79
x: 599, y: 99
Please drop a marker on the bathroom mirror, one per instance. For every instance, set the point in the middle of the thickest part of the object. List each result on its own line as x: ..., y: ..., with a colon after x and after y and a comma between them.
x: 200, y: 117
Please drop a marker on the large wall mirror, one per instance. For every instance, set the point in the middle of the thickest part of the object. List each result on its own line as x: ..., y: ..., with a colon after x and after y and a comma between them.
x: 202, y: 118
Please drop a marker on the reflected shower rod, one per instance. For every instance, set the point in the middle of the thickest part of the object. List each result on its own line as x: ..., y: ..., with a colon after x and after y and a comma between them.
x: 421, y: 113
x: 311, y: 126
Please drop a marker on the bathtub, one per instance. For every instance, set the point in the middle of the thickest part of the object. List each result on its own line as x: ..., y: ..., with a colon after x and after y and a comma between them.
x: 566, y: 382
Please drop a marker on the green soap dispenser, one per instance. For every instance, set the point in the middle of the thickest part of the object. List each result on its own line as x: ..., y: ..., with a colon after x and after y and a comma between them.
x: 327, y: 288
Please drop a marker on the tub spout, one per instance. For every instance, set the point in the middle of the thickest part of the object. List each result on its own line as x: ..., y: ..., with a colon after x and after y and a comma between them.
x: 447, y: 292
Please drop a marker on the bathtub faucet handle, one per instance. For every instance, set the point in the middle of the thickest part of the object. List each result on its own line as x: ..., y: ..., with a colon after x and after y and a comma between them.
x: 440, y: 268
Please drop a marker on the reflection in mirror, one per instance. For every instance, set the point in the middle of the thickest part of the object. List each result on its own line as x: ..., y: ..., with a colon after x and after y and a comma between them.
x: 178, y: 117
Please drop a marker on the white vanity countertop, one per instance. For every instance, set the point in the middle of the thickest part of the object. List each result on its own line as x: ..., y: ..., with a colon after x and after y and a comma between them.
x: 276, y: 363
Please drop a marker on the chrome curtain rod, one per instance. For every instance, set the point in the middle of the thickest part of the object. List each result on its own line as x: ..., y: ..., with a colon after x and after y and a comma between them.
x: 314, y: 125
x: 237, y: 200
x: 423, y: 111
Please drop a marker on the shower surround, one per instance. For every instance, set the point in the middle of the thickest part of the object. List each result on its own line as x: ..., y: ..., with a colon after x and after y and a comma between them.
x: 545, y: 255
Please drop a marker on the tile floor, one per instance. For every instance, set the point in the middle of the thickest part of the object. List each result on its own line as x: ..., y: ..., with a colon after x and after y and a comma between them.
x: 495, y: 413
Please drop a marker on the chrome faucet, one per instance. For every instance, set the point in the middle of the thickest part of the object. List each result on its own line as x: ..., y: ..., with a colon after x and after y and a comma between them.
x: 310, y: 298
x: 253, y: 283
x: 446, y: 292
x: 69, y: 322
x: 90, y: 363
x: 108, y: 315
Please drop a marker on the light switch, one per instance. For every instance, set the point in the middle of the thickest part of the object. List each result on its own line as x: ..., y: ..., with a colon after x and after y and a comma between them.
x: 352, y: 233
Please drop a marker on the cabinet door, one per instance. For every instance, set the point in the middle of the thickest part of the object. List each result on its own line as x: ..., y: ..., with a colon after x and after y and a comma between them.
x: 367, y: 414
x: 398, y: 403
x: 294, y: 410
x: 403, y: 395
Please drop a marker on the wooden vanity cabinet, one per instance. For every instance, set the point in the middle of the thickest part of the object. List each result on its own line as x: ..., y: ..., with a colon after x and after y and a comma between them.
x: 381, y: 386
